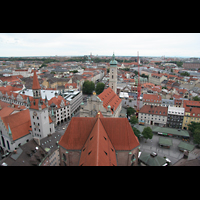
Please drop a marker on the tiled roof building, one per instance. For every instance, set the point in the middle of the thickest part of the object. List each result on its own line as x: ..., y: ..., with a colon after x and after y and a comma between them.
x: 152, y: 99
x: 108, y: 103
x: 153, y: 115
x: 98, y: 141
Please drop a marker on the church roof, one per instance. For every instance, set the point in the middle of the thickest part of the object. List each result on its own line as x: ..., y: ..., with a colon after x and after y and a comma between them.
x: 98, y: 138
x: 98, y: 149
x: 36, y: 85
x: 109, y: 97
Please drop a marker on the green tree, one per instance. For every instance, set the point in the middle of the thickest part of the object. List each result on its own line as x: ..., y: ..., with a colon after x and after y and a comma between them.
x: 147, y: 133
x: 136, y: 132
x: 185, y: 74
x: 134, y: 120
x: 196, y: 98
x: 130, y: 111
x: 99, y: 88
x: 197, y: 136
x: 193, y: 126
x: 88, y: 87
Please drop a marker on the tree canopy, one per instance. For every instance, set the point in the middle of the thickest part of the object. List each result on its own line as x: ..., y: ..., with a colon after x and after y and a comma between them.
x: 134, y: 120
x: 99, y: 88
x: 130, y: 111
x: 147, y: 133
x: 88, y: 87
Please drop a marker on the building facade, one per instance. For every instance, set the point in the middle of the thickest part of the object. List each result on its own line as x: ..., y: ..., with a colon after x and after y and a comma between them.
x: 175, y: 117
x: 153, y: 115
x: 108, y: 103
x: 152, y: 99
x: 156, y: 79
x: 42, y: 124
x: 59, y: 109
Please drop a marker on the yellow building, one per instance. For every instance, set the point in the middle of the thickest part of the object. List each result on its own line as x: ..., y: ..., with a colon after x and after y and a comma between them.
x: 191, y: 115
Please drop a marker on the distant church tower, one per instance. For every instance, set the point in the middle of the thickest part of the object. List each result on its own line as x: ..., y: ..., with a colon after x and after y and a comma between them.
x: 41, y: 123
x: 113, y: 74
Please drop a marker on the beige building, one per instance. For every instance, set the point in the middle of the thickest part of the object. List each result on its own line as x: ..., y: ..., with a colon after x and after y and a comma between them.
x: 156, y: 78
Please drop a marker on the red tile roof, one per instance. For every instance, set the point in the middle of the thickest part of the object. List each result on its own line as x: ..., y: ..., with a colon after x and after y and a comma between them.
x: 99, y: 138
x: 57, y: 101
x: 120, y: 133
x: 71, y: 84
x: 109, y: 97
x: 36, y: 85
x: 195, y: 112
x: 154, y: 110
x: 98, y: 149
x: 77, y: 132
x: 19, y: 123
x: 188, y: 103
x: 152, y: 98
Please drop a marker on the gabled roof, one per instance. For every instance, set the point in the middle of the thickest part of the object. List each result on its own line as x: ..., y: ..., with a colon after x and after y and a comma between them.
x: 98, y: 138
x: 109, y: 97
x: 154, y: 98
x: 98, y: 149
x: 19, y: 123
x: 154, y: 110
x: 57, y: 101
x: 36, y: 85
x: 77, y: 132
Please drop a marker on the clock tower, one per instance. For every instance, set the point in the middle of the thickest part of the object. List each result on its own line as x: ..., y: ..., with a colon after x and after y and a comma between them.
x: 113, y: 74
x: 42, y: 124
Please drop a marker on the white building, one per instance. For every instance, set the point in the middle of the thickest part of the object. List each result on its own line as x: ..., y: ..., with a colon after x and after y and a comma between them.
x: 42, y: 124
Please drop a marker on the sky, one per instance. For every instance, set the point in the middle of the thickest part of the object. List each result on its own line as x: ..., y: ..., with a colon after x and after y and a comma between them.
x: 79, y: 44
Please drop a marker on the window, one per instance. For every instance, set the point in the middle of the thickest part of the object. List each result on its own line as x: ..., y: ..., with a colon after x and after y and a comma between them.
x: 37, y: 117
x: 64, y: 157
x: 105, y: 152
x: 89, y: 153
x: 112, y: 76
x: 33, y: 117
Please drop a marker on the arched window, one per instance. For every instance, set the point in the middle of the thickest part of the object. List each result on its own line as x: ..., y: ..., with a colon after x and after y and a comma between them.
x: 8, y: 144
x: 64, y: 157
x: 3, y: 141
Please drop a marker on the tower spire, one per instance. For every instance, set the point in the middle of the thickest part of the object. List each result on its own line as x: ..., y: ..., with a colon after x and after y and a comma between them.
x: 36, y: 85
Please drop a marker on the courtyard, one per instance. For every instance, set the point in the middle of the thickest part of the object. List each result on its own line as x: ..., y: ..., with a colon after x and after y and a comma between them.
x: 173, y: 153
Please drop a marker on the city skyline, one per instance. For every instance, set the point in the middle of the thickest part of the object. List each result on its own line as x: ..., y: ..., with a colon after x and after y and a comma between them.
x: 79, y: 44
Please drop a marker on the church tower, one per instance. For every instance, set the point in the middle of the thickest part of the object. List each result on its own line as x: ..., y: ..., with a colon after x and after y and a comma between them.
x: 113, y: 74
x: 41, y: 123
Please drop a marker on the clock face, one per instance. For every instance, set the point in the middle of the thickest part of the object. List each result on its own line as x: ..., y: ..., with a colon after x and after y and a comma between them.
x: 34, y: 113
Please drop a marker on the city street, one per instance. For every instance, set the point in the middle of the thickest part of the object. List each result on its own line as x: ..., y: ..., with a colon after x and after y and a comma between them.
x: 172, y: 153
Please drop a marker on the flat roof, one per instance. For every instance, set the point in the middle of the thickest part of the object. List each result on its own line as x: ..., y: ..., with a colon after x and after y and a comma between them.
x: 172, y: 131
x: 49, y: 93
x: 186, y: 146
x: 165, y: 141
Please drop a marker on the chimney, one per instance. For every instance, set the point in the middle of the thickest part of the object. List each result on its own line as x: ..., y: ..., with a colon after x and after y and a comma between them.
x: 15, y: 151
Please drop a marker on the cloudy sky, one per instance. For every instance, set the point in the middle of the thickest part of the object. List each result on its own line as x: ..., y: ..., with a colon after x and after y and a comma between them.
x: 78, y: 44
